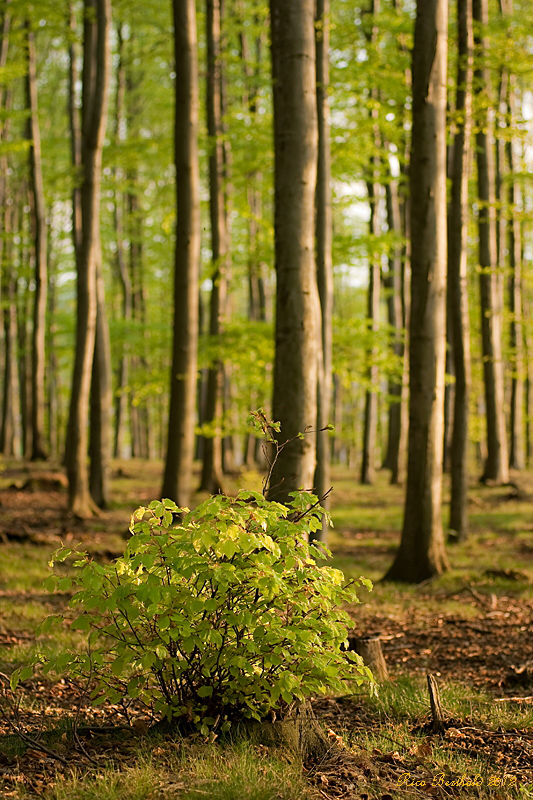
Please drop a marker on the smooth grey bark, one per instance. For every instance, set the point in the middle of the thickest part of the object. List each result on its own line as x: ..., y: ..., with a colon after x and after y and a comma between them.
x: 516, y: 339
x: 337, y: 408
x: 212, y: 467
x: 324, y: 259
x: 53, y: 371
x: 255, y: 267
x: 24, y: 314
x: 139, y: 408
x: 393, y: 284
x: 421, y: 554
x: 101, y: 403
x: 39, y: 449
x: 75, y: 135
x: 457, y: 271
x: 96, y: 67
x: 122, y: 271
x: 496, y: 464
x: 368, y: 464
x: 180, y: 444
x: 528, y: 387
x: 10, y: 435
x: 297, y: 302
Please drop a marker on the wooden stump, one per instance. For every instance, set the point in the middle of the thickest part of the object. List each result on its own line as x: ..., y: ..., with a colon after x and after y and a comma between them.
x: 369, y: 648
x: 437, y: 713
x: 301, y: 734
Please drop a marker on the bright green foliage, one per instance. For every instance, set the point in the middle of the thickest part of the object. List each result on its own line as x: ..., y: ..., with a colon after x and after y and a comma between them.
x: 223, y: 615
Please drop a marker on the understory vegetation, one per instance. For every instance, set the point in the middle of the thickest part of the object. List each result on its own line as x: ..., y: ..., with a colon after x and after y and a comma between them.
x: 470, y: 628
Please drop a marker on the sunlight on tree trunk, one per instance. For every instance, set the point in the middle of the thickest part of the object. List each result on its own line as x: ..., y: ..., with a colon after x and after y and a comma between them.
x: 96, y: 67
x: 180, y: 445
x: 496, y: 464
x: 421, y: 553
x: 324, y: 259
x: 295, y: 146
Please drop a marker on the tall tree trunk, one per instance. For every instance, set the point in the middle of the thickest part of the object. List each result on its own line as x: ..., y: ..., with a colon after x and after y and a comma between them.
x: 496, y: 465
x: 53, y: 374
x: 212, y: 463
x: 38, y: 403
x: 457, y: 271
x: 297, y: 303
x: 96, y: 63
x: 23, y: 316
x: 368, y: 466
x: 256, y: 283
x: 101, y: 401
x: 517, y: 450
x: 395, y: 316
x: 75, y: 135
x: 324, y: 259
x: 121, y: 398
x: 137, y: 405
x: 10, y: 443
x: 180, y: 445
x: 421, y: 553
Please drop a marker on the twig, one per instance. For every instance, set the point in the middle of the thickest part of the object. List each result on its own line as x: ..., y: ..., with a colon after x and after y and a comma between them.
x: 30, y: 740
x: 75, y: 734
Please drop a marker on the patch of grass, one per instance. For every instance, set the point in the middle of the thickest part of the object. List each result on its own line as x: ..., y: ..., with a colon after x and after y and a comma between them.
x: 218, y: 772
x: 24, y: 567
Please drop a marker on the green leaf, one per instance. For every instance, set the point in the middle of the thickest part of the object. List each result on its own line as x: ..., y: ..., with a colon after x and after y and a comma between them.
x: 81, y: 623
x: 205, y: 691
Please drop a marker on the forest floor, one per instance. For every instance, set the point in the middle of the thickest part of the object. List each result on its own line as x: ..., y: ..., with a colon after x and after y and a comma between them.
x: 472, y: 629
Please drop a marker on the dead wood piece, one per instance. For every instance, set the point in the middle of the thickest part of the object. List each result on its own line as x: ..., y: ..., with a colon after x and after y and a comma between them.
x: 508, y: 574
x: 369, y: 648
x: 437, y: 713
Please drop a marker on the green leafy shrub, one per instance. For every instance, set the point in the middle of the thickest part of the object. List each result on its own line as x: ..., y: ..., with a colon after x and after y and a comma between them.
x: 222, y: 615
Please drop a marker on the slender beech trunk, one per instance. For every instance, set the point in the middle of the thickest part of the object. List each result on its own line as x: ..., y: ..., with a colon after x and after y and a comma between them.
x: 6, y: 284
x: 368, y: 465
x: 457, y: 271
x: 10, y: 443
x: 324, y: 259
x: 297, y: 303
x: 121, y: 397
x: 517, y: 450
x: 496, y: 465
x: 101, y: 402
x: 399, y: 466
x: 180, y: 444
x: 138, y: 407
x: 212, y: 463
x: 75, y: 135
x: 421, y: 553
x: 528, y: 388
x: 23, y: 316
x: 336, y: 441
x: 53, y: 373
x: 39, y: 448
x: 96, y: 63
x: 256, y: 283
x: 395, y: 315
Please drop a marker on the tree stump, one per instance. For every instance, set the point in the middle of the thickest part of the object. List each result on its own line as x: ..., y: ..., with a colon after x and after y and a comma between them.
x: 369, y: 648
x: 437, y: 713
x: 301, y: 734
